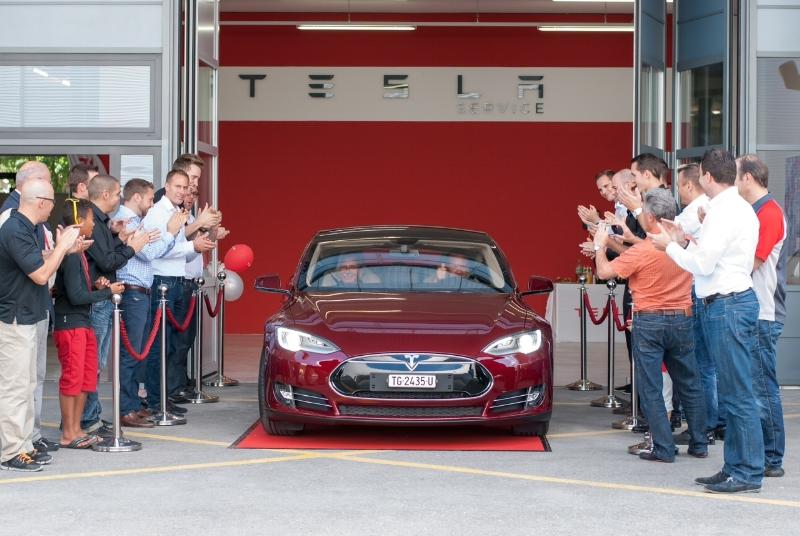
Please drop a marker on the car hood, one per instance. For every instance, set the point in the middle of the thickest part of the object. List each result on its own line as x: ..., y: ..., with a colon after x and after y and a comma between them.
x: 360, y: 322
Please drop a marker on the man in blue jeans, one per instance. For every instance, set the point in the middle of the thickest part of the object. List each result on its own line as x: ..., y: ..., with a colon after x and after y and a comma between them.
x: 769, y: 284
x: 110, y: 251
x: 721, y: 262
x: 137, y: 275
x: 662, y: 329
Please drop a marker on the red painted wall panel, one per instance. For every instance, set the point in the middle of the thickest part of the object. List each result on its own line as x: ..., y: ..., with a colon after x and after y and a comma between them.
x: 281, y: 182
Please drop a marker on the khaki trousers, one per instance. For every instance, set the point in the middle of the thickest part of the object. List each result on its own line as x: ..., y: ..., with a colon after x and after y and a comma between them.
x: 17, y: 384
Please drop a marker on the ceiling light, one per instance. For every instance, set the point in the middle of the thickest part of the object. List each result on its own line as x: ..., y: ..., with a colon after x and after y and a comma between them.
x: 603, y: 1
x: 359, y: 27
x: 586, y: 28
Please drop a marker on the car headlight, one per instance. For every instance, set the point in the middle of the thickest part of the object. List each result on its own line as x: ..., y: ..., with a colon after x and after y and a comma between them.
x: 294, y: 341
x: 526, y: 342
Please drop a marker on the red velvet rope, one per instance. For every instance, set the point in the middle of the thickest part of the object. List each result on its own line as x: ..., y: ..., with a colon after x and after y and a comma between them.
x: 127, y: 342
x: 186, y: 321
x: 588, y: 306
x: 213, y: 312
x: 621, y: 325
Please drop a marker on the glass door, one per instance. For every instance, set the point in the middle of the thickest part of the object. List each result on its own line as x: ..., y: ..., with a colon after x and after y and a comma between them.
x: 649, y: 77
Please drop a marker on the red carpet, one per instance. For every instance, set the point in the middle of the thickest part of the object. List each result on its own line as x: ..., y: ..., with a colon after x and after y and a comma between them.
x: 367, y: 438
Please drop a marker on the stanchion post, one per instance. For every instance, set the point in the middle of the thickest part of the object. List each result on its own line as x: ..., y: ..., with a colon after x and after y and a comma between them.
x: 199, y: 396
x: 631, y: 421
x: 164, y: 417
x: 583, y: 384
x: 610, y: 400
x: 222, y: 380
x: 117, y: 443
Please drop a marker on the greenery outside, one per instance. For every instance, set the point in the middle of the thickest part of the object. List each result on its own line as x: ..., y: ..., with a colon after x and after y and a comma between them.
x: 58, y: 165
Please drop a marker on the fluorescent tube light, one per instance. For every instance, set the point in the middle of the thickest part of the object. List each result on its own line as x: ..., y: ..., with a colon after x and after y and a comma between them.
x: 358, y: 27
x: 586, y: 28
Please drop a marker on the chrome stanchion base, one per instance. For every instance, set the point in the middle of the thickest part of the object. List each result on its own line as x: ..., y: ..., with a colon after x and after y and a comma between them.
x: 628, y: 423
x: 224, y: 382
x: 583, y: 385
x: 166, y: 419
x: 203, y: 398
x: 608, y: 401
x: 117, y: 444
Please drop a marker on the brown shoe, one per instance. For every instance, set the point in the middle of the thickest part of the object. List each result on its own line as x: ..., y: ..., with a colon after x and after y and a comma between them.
x: 144, y: 413
x: 134, y: 420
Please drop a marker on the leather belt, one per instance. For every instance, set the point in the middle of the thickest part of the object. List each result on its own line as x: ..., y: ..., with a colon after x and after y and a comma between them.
x: 137, y: 288
x: 708, y: 300
x: 665, y: 312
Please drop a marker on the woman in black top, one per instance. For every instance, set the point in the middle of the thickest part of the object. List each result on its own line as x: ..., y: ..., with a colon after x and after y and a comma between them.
x: 73, y: 335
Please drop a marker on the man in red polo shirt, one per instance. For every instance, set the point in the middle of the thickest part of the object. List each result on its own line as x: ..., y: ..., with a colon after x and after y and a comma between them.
x: 769, y: 284
x: 663, y: 330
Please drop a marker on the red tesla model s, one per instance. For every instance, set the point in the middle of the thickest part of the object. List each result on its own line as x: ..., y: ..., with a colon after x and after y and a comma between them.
x: 405, y: 325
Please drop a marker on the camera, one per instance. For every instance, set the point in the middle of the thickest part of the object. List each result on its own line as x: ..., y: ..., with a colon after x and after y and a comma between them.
x: 615, y: 229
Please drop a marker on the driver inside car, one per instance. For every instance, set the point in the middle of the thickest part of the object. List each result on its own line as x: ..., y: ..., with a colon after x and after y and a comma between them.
x: 453, y: 273
x: 349, y: 274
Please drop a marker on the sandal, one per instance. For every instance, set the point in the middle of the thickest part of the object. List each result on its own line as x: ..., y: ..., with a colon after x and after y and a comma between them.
x: 84, y: 442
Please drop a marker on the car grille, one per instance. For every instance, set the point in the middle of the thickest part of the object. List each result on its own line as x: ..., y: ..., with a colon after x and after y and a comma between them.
x: 302, y: 398
x: 409, y: 395
x: 366, y: 377
x: 399, y: 411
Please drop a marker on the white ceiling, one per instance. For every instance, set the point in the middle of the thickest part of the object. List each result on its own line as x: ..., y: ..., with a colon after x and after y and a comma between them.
x: 424, y: 6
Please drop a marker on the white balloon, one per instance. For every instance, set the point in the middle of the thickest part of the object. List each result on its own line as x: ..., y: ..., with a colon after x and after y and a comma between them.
x: 234, y: 286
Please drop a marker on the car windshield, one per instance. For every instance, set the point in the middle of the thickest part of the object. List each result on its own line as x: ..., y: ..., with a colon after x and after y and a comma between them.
x: 403, y: 265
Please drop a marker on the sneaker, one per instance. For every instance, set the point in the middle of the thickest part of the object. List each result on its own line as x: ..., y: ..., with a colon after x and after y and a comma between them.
x: 92, y: 427
x: 42, y: 458
x: 45, y: 445
x: 644, y: 446
x: 731, y: 485
x: 104, y: 432
x: 651, y: 457
x: 683, y: 438
x: 21, y: 462
x: 716, y: 479
x: 775, y: 472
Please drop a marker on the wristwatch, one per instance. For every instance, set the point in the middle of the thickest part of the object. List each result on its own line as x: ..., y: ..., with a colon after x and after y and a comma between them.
x: 636, y: 212
x: 596, y: 247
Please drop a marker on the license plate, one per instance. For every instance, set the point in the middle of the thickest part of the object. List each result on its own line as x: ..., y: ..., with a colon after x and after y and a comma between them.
x: 411, y: 381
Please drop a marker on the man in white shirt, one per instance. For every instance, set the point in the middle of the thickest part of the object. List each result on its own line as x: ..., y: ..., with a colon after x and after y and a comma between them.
x: 170, y: 269
x: 695, y: 202
x: 721, y: 262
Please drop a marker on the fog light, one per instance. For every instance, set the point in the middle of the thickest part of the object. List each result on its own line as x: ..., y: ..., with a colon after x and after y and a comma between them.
x: 284, y: 394
x: 534, y: 396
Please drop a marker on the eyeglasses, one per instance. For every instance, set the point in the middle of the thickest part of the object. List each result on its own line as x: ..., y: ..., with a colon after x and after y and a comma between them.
x: 47, y: 199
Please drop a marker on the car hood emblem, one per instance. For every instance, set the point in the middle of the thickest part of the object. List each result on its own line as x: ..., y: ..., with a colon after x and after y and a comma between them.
x: 412, y: 360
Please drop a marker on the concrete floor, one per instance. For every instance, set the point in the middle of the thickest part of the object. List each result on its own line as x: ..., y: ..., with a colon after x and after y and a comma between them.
x: 185, y: 479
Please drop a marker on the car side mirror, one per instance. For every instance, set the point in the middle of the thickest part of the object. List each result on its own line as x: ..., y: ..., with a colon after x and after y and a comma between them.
x: 270, y: 283
x: 538, y: 285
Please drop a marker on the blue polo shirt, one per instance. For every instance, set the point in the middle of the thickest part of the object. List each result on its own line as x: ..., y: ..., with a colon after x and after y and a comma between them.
x: 21, y: 254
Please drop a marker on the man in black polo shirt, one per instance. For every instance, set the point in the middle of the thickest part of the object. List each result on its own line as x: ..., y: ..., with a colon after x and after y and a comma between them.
x: 23, y: 303
x: 109, y: 252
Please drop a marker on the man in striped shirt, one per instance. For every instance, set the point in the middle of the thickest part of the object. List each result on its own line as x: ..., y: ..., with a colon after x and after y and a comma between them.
x: 769, y: 283
x: 137, y: 275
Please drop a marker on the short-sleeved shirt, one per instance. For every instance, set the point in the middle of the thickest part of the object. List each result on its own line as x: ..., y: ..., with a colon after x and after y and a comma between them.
x: 769, y: 280
x: 21, y: 254
x: 656, y: 282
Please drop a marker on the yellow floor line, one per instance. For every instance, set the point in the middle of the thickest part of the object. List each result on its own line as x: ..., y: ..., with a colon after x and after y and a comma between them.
x: 572, y: 482
x: 585, y: 434
x: 162, y: 469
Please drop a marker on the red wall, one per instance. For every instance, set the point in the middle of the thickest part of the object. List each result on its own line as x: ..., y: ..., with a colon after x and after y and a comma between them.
x: 280, y: 182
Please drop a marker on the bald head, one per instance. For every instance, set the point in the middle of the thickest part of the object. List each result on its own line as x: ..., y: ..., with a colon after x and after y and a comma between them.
x: 32, y: 171
x: 34, y: 191
x: 621, y: 178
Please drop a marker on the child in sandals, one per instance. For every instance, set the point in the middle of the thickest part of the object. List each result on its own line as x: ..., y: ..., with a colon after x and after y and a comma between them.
x: 73, y: 334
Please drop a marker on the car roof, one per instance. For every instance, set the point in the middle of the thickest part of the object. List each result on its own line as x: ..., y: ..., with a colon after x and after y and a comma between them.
x: 401, y: 231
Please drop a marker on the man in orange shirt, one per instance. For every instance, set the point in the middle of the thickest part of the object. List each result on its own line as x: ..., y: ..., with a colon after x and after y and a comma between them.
x: 662, y: 331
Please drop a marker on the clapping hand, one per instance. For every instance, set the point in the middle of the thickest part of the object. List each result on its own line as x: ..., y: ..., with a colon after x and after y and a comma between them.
x: 701, y: 214
x: 101, y: 283
x: 629, y: 197
x: 588, y: 214
x: 587, y: 249
x: 669, y: 231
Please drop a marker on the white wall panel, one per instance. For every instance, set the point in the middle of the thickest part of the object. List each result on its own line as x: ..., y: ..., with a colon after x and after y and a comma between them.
x: 778, y: 30
x: 570, y: 95
x: 56, y: 25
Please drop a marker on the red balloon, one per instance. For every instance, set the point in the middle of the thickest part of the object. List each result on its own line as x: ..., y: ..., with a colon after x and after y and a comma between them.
x: 239, y: 258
